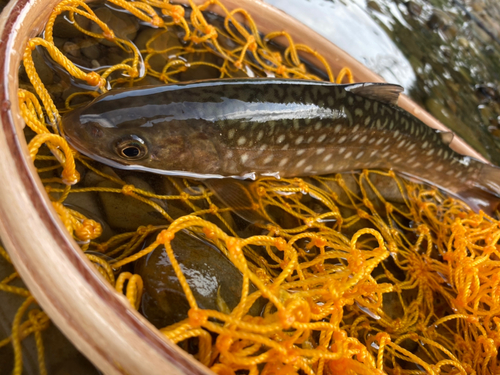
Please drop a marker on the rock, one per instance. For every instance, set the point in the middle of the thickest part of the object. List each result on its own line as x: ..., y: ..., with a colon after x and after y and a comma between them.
x: 65, y: 29
x: 45, y: 73
x: 72, y: 49
x: 123, y: 25
x: 373, y: 5
x: 215, y: 282
x: 439, y: 20
x: 90, y: 49
x: 127, y: 213
x: 413, y: 8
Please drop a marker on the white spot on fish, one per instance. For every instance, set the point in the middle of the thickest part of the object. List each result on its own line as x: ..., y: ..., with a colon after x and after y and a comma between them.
x: 229, y: 154
x: 375, y: 107
x: 308, y: 168
x: 320, y: 150
x: 430, y: 152
x: 379, y: 141
x: 230, y: 133
x: 301, y: 163
x: 244, y: 158
x: 411, y: 147
x: 341, y: 150
x: 355, y: 129
x: 260, y: 134
x: 410, y: 160
x: 300, y: 152
x: 396, y: 133
x: 360, y: 154
x: 398, y: 160
x: 348, y: 115
x: 283, y: 162
x: 373, y: 153
x: 385, y: 154
x: 337, y: 128
x: 350, y: 100
x: 241, y: 141
x: 309, y: 140
x: 440, y: 168
x: 318, y: 125
x: 321, y: 138
x: 342, y: 139
x: 268, y: 159
x: 371, y: 140
x: 386, y: 148
x: 458, y: 174
x: 348, y: 155
x: 424, y: 145
x: 358, y: 112
x: 285, y: 146
x: 401, y: 144
x: 327, y: 157
x: 449, y: 172
x: 263, y: 147
x: 299, y: 140
x: 367, y: 105
x: 281, y: 138
x: 367, y: 120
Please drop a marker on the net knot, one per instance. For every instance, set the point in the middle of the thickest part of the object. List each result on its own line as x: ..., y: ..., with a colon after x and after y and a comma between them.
x: 94, y: 79
x: 165, y: 236
x: 157, y: 21
x: 128, y: 189
x: 89, y: 230
x: 197, y: 317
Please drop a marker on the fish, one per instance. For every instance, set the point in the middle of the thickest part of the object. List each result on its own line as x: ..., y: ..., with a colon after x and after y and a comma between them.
x: 248, y: 128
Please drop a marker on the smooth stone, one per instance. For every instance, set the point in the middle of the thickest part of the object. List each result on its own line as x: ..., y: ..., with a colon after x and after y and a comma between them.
x: 123, y: 25
x: 66, y: 30
x: 208, y: 273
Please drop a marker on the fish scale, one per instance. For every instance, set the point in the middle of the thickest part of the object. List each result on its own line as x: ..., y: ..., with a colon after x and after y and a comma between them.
x: 257, y: 127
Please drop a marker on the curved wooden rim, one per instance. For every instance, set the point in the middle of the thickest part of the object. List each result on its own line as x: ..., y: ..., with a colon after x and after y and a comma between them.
x: 96, y: 319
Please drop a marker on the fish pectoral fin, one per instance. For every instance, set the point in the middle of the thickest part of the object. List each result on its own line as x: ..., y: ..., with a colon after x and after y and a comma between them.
x: 446, y: 137
x: 236, y: 195
x: 382, y: 92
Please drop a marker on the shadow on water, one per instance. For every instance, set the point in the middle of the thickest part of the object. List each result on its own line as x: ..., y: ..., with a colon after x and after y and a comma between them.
x: 445, y: 53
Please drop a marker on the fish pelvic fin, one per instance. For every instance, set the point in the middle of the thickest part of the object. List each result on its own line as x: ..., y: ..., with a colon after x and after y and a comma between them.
x: 237, y: 195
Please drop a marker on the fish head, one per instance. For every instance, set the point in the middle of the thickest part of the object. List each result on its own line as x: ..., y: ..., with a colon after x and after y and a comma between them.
x: 163, y: 147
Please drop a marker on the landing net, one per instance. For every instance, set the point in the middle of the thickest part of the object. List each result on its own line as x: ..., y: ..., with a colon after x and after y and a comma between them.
x: 362, y: 273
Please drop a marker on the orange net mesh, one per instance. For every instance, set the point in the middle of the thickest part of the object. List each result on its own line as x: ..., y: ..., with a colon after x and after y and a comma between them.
x: 361, y: 273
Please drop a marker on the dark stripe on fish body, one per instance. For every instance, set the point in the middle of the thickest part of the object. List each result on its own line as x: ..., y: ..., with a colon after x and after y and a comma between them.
x: 242, y: 128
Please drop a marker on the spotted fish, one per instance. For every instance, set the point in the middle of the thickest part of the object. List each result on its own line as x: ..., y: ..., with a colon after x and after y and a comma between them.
x: 247, y: 128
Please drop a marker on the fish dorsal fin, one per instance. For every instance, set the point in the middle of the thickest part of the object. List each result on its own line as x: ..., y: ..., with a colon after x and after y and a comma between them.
x: 382, y: 92
x: 446, y: 137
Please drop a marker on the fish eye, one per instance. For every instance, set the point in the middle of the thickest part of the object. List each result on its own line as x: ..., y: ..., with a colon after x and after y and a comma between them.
x: 131, y: 148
